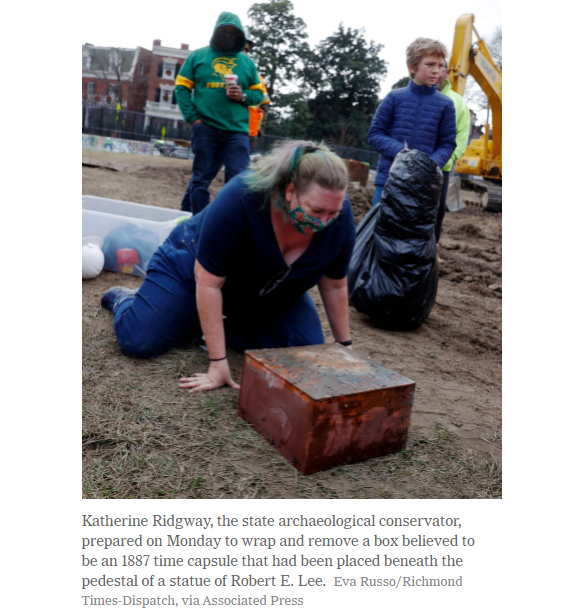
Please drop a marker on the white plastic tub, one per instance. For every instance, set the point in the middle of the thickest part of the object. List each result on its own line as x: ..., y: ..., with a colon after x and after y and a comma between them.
x: 102, y: 215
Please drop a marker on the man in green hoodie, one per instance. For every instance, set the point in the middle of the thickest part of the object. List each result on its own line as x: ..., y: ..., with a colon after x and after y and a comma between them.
x: 462, y: 135
x: 219, y: 114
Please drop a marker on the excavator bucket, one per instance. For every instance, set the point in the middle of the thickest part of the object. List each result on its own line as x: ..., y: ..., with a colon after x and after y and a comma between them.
x: 474, y: 198
x: 481, y: 194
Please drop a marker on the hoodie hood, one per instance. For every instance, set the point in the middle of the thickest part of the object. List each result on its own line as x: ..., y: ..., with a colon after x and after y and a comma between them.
x: 446, y: 87
x: 232, y: 20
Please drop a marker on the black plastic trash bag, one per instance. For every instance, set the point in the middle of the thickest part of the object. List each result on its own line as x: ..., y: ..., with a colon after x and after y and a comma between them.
x: 393, y: 275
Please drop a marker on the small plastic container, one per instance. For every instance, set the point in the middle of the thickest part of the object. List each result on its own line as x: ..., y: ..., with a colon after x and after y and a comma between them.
x: 102, y: 215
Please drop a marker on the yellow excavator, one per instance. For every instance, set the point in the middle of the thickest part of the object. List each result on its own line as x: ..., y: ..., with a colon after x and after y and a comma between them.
x: 480, y: 168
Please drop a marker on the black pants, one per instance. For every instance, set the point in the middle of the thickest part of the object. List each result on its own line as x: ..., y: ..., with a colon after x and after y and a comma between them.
x: 212, y: 148
x: 442, y: 206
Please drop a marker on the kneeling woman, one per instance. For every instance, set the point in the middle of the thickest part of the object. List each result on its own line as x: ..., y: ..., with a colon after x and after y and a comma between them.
x: 239, y: 271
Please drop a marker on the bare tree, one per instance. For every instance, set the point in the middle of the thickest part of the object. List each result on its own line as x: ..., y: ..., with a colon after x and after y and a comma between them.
x: 474, y: 97
x: 107, y: 64
x: 495, y: 47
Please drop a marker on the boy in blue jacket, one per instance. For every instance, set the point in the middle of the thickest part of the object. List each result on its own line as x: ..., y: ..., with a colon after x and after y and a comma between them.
x: 418, y: 114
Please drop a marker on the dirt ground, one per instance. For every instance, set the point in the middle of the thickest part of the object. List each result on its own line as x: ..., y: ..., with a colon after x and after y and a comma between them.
x: 145, y: 438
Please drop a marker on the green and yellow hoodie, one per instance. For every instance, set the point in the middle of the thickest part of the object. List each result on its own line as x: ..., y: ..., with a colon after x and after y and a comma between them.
x: 462, y: 124
x: 201, y: 84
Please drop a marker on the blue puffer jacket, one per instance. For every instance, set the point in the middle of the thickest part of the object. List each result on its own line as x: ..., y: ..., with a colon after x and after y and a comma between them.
x: 419, y: 115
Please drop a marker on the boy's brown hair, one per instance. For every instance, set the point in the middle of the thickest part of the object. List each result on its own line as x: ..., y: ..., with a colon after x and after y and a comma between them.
x: 421, y: 47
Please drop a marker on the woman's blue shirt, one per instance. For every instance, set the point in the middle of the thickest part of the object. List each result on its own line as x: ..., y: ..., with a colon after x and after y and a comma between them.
x: 236, y: 240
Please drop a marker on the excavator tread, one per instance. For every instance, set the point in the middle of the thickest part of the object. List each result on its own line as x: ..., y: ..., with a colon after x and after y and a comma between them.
x: 494, y: 194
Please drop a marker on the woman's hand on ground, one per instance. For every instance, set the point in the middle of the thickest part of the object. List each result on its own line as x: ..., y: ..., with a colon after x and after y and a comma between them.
x: 218, y: 376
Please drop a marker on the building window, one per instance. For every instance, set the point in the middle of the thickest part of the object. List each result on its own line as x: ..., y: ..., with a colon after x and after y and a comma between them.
x: 91, y: 89
x: 86, y: 61
x: 166, y: 97
x: 114, y: 91
x: 169, y: 70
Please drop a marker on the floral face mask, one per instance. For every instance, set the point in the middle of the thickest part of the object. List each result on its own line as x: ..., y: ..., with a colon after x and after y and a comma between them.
x: 306, y: 224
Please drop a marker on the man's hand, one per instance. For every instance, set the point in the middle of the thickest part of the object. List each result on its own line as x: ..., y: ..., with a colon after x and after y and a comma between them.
x: 197, y: 121
x: 234, y: 92
x: 218, y: 376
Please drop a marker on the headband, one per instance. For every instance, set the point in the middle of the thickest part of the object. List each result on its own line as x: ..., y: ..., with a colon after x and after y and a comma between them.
x: 300, y: 151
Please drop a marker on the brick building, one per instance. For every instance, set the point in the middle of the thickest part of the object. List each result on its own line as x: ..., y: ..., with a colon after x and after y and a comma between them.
x: 113, y: 74
x: 142, y: 81
x: 161, y: 109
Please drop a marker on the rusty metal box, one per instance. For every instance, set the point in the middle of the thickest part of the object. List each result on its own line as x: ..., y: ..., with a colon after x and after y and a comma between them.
x: 323, y: 405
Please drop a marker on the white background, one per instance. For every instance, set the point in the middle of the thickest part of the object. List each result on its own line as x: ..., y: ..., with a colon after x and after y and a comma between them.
x: 484, y: 571
x: 521, y: 562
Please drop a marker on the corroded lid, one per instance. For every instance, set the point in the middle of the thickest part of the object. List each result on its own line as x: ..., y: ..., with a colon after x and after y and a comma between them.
x: 328, y: 370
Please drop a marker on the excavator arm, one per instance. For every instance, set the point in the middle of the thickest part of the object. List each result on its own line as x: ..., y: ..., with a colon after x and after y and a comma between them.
x: 483, y: 157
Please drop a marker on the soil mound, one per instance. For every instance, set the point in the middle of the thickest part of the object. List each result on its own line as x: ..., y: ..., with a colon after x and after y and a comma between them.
x: 361, y: 200
x: 469, y: 229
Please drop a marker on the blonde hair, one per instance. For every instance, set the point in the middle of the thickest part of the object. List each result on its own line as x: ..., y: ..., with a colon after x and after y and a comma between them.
x: 300, y: 162
x: 421, y: 47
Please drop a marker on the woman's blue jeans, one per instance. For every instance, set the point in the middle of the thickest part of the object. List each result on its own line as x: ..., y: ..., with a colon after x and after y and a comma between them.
x: 163, y: 313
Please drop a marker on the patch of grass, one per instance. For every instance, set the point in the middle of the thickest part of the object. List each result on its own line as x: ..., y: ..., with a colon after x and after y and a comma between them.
x: 166, y: 443
x: 197, y: 465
